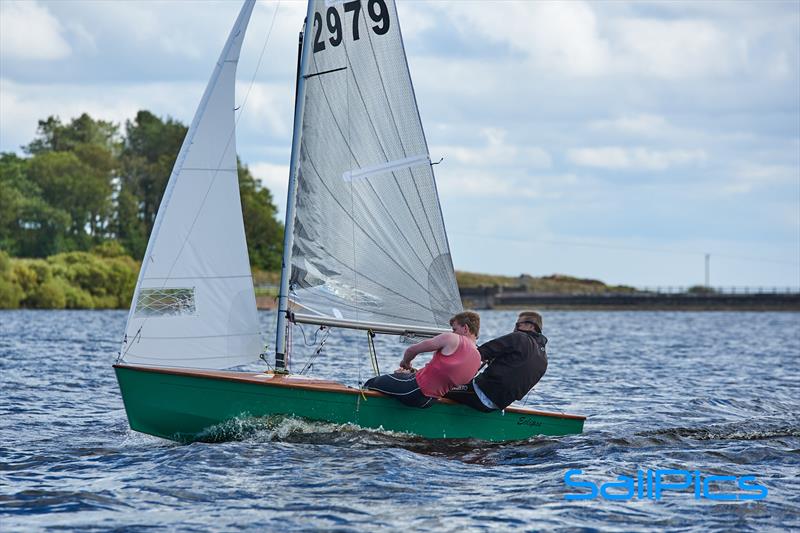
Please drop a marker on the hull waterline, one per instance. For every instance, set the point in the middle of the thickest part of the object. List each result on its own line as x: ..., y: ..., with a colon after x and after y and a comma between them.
x: 183, y: 405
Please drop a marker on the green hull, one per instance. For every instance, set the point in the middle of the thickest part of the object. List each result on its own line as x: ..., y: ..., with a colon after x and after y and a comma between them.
x: 182, y: 405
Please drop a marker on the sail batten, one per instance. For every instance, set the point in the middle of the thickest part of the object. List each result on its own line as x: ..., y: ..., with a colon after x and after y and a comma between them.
x: 369, y: 242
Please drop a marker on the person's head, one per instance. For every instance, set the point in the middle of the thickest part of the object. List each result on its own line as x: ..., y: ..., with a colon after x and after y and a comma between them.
x: 529, y: 321
x: 469, y: 319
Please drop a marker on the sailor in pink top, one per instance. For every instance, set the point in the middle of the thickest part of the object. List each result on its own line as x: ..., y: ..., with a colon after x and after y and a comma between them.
x: 455, y: 362
x: 446, y: 371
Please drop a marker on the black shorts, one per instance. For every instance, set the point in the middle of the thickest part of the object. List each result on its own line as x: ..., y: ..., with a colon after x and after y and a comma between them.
x: 402, y: 386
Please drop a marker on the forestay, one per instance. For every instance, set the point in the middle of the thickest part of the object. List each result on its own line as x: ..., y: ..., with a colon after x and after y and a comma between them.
x: 194, y: 304
x: 369, y: 239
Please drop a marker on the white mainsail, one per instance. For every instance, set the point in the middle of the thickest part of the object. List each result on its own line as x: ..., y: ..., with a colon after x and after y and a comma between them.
x: 194, y: 304
x: 369, y: 242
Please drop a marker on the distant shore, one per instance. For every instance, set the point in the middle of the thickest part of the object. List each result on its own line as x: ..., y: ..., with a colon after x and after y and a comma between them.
x: 105, y: 277
x: 617, y: 302
x: 488, y: 298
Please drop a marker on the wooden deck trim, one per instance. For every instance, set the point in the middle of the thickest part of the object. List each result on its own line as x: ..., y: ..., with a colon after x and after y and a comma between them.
x: 288, y: 381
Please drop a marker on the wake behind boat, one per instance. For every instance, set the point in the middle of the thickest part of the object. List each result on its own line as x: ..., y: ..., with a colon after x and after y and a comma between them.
x: 365, y: 248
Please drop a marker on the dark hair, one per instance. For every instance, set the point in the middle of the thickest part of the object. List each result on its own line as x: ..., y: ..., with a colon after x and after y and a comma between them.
x: 471, y: 319
x: 531, y: 317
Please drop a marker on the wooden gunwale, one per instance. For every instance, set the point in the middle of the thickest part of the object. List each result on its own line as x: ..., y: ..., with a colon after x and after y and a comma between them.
x: 288, y: 381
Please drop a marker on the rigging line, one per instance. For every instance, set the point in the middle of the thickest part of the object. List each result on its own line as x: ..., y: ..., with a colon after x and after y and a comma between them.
x: 352, y: 182
x: 373, y: 354
x: 380, y: 145
x: 318, y: 351
x: 409, y: 274
x: 258, y: 64
x: 350, y: 149
x: 305, y: 340
x: 620, y: 247
x: 397, y: 131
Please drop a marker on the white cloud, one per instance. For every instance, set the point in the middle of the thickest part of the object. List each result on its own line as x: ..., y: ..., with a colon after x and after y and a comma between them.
x: 415, y: 19
x: 621, y: 158
x: 498, y: 151
x: 675, y: 48
x: 512, y: 185
x: 23, y: 105
x: 642, y: 124
x: 752, y: 176
x: 276, y: 179
x: 562, y: 36
x: 266, y: 107
x: 29, y: 32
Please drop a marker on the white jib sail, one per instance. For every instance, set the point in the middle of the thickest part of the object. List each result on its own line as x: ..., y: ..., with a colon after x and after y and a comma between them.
x: 369, y: 238
x: 194, y: 304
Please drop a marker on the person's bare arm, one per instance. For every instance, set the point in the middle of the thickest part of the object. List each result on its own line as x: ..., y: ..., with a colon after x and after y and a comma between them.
x: 447, y: 342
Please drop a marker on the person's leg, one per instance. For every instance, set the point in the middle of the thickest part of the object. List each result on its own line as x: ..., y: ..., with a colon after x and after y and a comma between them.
x: 402, y: 386
x: 465, y: 394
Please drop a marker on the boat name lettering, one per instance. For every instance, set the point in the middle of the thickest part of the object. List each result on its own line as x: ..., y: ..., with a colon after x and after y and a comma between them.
x: 528, y: 421
x: 652, y: 484
x: 377, y: 9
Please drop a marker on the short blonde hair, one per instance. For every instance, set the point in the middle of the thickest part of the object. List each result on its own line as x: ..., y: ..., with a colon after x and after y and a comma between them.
x: 471, y: 319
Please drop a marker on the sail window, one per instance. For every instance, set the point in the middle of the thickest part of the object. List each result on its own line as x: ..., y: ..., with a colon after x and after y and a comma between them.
x: 166, y: 302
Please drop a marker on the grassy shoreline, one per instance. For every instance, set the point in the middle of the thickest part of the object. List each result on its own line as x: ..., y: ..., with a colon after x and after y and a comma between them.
x: 105, y: 277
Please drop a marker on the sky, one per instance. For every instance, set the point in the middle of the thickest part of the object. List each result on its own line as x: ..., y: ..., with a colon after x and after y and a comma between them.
x: 620, y: 141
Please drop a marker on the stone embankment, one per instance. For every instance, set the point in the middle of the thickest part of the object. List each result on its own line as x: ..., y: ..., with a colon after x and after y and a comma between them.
x: 493, y: 298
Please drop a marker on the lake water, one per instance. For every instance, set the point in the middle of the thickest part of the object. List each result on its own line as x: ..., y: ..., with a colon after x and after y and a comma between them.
x: 710, y: 392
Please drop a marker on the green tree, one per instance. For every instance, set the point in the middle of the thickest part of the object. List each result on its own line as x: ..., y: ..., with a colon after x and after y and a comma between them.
x: 149, y: 151
x: 85, y: 186
x: 60, y: 198
x: 29, y: 225
x: 81, y: 190
x: 264, y: 232
x: 53, y: 136
x: 14, y: 186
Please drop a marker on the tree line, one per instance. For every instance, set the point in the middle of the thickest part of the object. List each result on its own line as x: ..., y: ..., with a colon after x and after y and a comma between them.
x: 77, y: 209
x: 88, y: 182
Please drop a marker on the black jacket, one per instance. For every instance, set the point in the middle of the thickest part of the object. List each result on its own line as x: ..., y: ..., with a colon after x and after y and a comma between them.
x: 517, y: 362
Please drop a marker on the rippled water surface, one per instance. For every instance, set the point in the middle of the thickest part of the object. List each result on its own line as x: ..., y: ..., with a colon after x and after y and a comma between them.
x: 714, y: 392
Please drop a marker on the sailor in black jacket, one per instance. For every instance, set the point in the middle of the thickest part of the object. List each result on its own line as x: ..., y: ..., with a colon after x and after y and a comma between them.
x: 515, y: 363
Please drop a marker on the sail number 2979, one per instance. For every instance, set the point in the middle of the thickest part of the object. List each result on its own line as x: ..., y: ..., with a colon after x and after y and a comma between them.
x: 377, y: 9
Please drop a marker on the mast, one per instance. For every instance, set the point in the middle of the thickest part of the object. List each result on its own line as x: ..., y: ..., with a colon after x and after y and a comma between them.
x: 288, y: 228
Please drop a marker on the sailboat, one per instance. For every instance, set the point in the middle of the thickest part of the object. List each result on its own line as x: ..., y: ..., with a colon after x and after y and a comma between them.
x: 365, y: 248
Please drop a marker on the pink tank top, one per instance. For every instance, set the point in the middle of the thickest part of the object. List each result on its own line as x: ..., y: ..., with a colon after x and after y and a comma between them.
x: 445, y: 372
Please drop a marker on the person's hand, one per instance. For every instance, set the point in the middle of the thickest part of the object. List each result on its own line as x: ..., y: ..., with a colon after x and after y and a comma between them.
x: 409, y: 370
x: 405, y: 363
